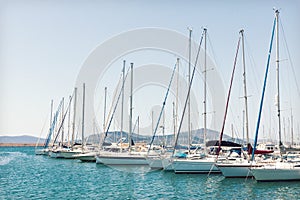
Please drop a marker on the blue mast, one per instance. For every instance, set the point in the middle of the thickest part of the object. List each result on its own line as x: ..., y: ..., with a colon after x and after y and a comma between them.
x: 52, y: 125
x: 263, y: 92
x: 162, y: 109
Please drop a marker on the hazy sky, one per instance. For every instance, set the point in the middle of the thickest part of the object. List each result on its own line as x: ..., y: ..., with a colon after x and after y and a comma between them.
x: 44, y: 44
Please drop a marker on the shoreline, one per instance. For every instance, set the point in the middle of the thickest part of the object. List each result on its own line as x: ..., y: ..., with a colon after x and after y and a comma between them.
x: 19, y: 145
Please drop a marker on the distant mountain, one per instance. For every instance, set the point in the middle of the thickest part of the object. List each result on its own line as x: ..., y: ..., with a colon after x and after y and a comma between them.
x: 196, y: 138
x: 25, y: 139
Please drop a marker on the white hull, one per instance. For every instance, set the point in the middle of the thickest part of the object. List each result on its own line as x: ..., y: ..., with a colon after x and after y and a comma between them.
x: 155, y: 162
x: 167, y: 164
x: 277, y: 172
x: 63, y: 154
x: 235, y: 170
x: 205, y: 165
x: 121, y: 159
x: 43, y: 152
x: 86, y: 157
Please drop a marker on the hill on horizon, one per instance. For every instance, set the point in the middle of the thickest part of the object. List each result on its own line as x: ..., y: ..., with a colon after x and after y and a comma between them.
x: 26, y: 139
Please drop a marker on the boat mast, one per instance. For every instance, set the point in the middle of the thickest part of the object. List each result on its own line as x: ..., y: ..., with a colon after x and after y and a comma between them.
x: 277, y: 75
x: 189, y: 100
x: 122, y: 103
x: 62, y: 116
x: 83, y: 104
x: 69, y: 120
x: 245, y: 87
x: 176, y: 112
x: 174, y: 119
x: 204, y: 101
x: 74, y: 117
x: 292, y: 129
x: 104, y: 113
x: 228, y: 98
x: 138, y: 124
x: 130, y: 118
x: 263, y: 92
x: 163, y: 131
x: 51, y: 113
x: 243, y: 128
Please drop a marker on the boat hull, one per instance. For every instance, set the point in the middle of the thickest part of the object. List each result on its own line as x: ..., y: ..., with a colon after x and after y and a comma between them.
x: 195, y: 166
x: 155, y: 162
x: 167, y: 164
x: 63, y: 154
x: 277, y: 173
x: 43, y: 152
x: 121, y: 159
x: 235, y: 170
x: 86, y: 157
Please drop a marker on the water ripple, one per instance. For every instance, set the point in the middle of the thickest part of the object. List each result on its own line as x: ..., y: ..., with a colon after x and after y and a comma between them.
x: 26, y: 176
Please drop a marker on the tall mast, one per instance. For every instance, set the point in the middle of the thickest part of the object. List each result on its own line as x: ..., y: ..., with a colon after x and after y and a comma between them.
x: 163, y: 130
x: 245, y: 87
x: 232, y: 133
x: 130, y: 118
x: 244, y: 128
x: 74, y: 117
x: 174, y: 119
x: 62, y: 116
x: 83, y: 105
x: 69, y: 121
x: 138, y: 124
x: 122, y: 103
x: 189, y: 82
x: 152, y: 125
x: 176, y: 111
x: 204, y: 101
x: 277, y: 75
x: 104, y: 111
x: 292, y: 129
x: 51, y: 112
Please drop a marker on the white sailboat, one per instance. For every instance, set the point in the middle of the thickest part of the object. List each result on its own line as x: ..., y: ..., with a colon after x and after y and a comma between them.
x: 278, y: 171
x: 282, y: 170
x: 89, y: 154
x: 191, y: 163
x: 131, y: 156
x: 238, y: 167
x: 69, y: 152
x: 45, y: 149
x: 156, y: 154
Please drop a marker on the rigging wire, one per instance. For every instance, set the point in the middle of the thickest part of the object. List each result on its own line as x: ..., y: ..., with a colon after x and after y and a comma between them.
x: 289, y: 56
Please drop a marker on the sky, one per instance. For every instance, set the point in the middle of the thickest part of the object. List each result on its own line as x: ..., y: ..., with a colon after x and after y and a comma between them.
x: 46, y: 45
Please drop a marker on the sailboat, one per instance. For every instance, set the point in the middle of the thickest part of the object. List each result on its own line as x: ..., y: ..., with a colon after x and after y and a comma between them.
x: 191, y: 163
x: 239, y: 167
x: 155, y: 157
x: 69, y: 152
x: 89, y: 153
x: 131, y: 156
x: 46, y: 148
x: 282, y: 170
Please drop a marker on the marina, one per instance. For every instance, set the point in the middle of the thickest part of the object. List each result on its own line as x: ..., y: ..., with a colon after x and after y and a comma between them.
x: 176, y: 109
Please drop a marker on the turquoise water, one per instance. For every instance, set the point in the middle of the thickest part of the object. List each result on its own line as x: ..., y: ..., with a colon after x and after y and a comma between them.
x: 26, y: 176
